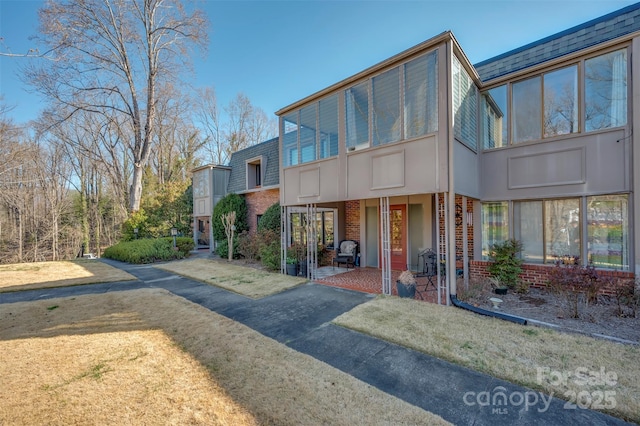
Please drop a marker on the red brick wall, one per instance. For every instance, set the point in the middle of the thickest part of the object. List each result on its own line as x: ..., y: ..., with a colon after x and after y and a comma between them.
x: 352, y: 220
x: 538, y: 275
x: 257, y: 203
x: 459, y: 237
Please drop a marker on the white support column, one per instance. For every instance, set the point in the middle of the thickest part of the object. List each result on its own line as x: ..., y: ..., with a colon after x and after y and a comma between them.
x: 385, y: 238
x: 312, y: 241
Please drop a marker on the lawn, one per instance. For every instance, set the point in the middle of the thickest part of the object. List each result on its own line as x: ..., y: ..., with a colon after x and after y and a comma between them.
x: 149, y: 357
x: 244, y: 280
x: 29, y: 276
x: 565, y: 365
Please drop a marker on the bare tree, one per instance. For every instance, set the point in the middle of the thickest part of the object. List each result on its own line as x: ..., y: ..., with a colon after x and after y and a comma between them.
x: 110, y: 56
x: 208, y: 116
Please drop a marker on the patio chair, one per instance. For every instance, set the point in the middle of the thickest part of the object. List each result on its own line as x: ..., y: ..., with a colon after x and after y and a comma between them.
x: 346, y: 253
x: 429, y: 265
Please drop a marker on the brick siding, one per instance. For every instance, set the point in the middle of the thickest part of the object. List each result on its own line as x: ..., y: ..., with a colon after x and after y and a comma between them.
x: 352, y: 220
x: 257, y: 203
x: 538, y: 275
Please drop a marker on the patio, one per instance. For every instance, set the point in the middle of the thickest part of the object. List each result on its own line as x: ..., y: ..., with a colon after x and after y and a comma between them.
x: 369, y: 280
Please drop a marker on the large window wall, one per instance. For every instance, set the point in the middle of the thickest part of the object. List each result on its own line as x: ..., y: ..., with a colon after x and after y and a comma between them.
x: 465, y: 106
x: 551, y: 229
x: 311, y: 133
x: 554, y: 103
x: 400, y: 103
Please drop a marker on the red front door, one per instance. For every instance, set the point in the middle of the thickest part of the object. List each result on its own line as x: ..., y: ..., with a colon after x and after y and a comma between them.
x: 398, y: 230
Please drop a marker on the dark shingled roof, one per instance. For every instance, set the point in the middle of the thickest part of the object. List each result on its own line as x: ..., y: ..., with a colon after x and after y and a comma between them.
x: 269, y: 150
x: 604, y: 28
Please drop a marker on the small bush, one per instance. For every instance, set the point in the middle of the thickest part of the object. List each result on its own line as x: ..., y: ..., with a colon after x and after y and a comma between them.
x: 270, y: 255
x: 507, y: 265
x: 222, y: 249
x: 576, y: 285
x: 270, y: 220
x: 627, y: 300
x: 149, y: 250
x: 249, y: 246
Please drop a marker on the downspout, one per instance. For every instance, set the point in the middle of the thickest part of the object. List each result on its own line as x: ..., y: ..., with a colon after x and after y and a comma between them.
x: 512, y: 318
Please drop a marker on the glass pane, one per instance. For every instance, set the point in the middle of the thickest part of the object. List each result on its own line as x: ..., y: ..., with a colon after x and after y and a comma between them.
x: 308, y: 134
x: 527, y: 110
x: 605, y: 87
x: 528, y: 228
x: 495, y: 117
x: 608, y: 231
x: 357, y: 110
x: 465, y: 98
x: 328, y: 228
x: 495, y: 225
x: 328, y: 118
x: 290, y: 140
x: 421, y: 96
x: 386, y: 107
x: 562, y: 229
x: 396, y: 232
x: 561, y: 102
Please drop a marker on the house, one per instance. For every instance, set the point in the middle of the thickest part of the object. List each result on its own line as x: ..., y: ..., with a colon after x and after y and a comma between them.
x: 426, y: 150
x: 252, y: 172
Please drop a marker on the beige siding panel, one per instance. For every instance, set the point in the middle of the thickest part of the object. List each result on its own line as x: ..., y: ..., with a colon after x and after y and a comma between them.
x: 596, y: 163
x: 310, y: 183
x: 547, y: 169
x: 399, y: 169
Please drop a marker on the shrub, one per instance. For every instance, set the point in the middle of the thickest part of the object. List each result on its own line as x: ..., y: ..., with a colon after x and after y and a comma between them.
x: 137, y: 220
x: 271, y: 219
x: 230, y: 202
x: 222, y: 249
x: 270, y: 255
x: 627, y: 300
x: 576, y: 285
x: 507, y: 265
x: 249, y: 245
x: 149, y: 250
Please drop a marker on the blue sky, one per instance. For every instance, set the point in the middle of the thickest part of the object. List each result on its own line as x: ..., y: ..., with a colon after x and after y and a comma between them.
x: 277, y: 52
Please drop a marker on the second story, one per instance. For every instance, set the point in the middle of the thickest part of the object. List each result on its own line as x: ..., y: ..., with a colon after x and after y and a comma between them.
x: 548, y: 119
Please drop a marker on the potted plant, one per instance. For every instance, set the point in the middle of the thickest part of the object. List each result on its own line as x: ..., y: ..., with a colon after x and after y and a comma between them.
x: 498, y: 287
x: 292, y: 266
x: 406, y: 284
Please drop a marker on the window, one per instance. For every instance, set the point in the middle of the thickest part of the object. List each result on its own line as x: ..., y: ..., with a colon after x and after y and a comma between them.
x: 258, y: 218
x: 325, y: 223
x: 527, y: 110
x: 548, y: 105
x: 528, y: 228
x: 561, y: 102
x: 311, y: 132
x: 608, y: 231
x: 328, y: 121
x: 357, y: 108
x: 465, y: 106
x: 562, y: 229
x: 605, y: 89
x: 421, y: 96
x: 386, y: 107
x: 290, y: 140
x: 495, y: 225
x: 308, y: 128
x: 495, y: 118
x: 254, y: 173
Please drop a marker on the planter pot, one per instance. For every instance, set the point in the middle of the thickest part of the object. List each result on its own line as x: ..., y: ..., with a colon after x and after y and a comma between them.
x: 292, y: 269
x: 405, y: 290
x: 500, y: 290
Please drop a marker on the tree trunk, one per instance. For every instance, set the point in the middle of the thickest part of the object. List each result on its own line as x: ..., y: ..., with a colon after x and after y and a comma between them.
x: 135, y: 192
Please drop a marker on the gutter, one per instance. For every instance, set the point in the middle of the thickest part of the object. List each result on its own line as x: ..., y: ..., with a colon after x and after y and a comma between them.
x: 459, y: 304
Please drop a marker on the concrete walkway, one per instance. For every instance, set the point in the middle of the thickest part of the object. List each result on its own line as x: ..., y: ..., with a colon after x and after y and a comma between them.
x: 300, y: 318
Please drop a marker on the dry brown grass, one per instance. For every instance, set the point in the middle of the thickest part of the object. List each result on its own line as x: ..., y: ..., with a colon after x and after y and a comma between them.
x: 247, y: 281
x: 148, y: 357
x: 502, y: 349
x: 29, y: 276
